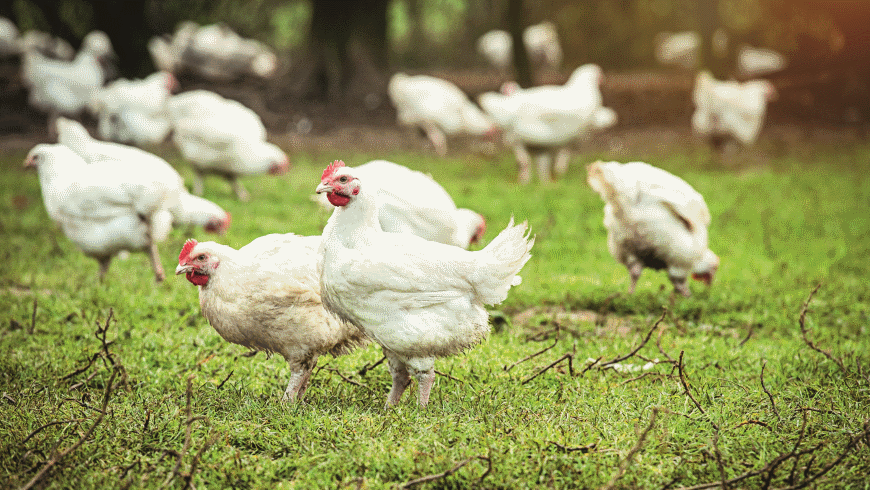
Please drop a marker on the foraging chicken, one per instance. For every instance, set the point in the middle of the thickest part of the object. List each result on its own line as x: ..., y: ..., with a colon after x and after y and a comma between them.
x: 214, y: 51
x: 438, y: 107
x: 135, y: 111
x: 186, y: 209
x: 266, y: 296
x: 9, y: 41
x: 222, y: 137
x: 678, y: 48
x: 730, y: 109
x: 47, y: 45
x: 541, y: 41
x: 60, y: 87
x: 103, y: 207
x: 758, y: 62
x: 412, y: 202
x: 418, y: 299
x: 654, y: 219
x: 541, y: 122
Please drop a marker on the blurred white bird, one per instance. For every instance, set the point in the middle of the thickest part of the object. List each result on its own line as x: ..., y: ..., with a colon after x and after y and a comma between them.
x: 222, y: 137
x: 541, y: 41
x: 104, y: 208
x: 543, y: 121
x: 654, y: 219
x: 266, y: 296
x: 730, y: 109
x: 681, y: 48
x: 135, y: 111
x: 213, y: 51
x: 412, y: 202
x: 437, y: 107
x: 186, y: 209
x: 9, y: 41
x: 61, y: 87
x: 46, y: 45
x: 758, y: 62
x: 418, y: 299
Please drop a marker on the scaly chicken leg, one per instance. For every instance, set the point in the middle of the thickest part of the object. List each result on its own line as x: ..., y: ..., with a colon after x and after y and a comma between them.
x: 401, y: 379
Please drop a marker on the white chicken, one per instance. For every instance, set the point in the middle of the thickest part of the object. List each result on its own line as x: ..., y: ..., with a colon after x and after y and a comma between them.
x: 135, y: 111
x: 730, y: 109
x: 418, y: 299
x: 9, y: 40
x: 678, y: 48
x: 223, y: 137
x: 437, y: 107
x: 266, y: 296
x: 654, y: 219
x: 186, y: 209
x: 541, y: 41
x: 412, y: 202
x: 543, y: 121
x: 213, y: 51
x: 46, y: 44
x: 61, y: 87
x: 758, y: 62
x: 103, y: 207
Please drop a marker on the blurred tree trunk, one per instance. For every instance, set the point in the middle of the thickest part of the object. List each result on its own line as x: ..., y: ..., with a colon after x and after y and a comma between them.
x: 347, y: 50
x: 521, y: 58
x: 709, y: 22
x: 126, y: 24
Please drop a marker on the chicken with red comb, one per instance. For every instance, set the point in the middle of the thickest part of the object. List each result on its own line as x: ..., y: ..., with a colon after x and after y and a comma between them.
x: 266, y: 296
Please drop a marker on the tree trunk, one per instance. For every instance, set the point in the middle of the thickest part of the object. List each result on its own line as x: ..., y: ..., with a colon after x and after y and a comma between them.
x: 521, y: 58
x: 347, y: 53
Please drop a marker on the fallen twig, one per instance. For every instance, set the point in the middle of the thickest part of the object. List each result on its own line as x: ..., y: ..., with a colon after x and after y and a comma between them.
x: 33, y: 319
x: 345, y: 378
x: 365, y: 369
x: 58, y: 456
x: 449, y: 376
x: 582, y: 449
x: 567, y: 355
x: 449, y: 472
x: 536, y: 354
x: 802, y: 323
x: 626, y: 462
x: 769, y: 395
x: 639, y: 347
x: 753, y: 422
x: 39, y: 429
x: 190, y: 419
x: 689, y: 393
x: 221, y: 384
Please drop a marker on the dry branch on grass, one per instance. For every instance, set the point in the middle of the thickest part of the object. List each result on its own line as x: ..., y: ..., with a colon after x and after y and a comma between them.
x: 639, y: 347
x: 188, y: 430
x: 365, y: 369
x: 802, y: 324
x: 689, y: 392
x: 769, y: 395
x: 449, y: 472
x: 626, y: 462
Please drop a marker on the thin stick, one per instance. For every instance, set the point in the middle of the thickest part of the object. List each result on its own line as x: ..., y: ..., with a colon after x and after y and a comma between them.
x: 532, y: 356
x: 448, y: 376
x: 769, y: 395
x: 581, y: 449
x: 345, y: 378
x: 719, y: 460
x: 802, y: 323
x: 38, y: 429
x: 365, y: 369
x: 221, y: 384
x: 33, y: 318
x: 626, y: 462
x: 57, y: 457
x: 567, y: 355
x: 689, y: 393
x: 449, y: 472
x: 639, y: 347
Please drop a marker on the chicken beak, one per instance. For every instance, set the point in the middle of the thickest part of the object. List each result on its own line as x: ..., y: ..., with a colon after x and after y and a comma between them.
x: 30, y: 162
x: 183, y: 269
x: 323, y: 188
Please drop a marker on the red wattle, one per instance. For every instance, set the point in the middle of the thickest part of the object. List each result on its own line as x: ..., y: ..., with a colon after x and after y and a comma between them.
x: 197, y: 278
x: 337, y: 199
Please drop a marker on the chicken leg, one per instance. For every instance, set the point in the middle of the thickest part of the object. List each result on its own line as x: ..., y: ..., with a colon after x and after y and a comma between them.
x: 239, y: 189
x: 425, y: 380
x: 299, y: 378
x: 401, y: 380
x: 154, y: 255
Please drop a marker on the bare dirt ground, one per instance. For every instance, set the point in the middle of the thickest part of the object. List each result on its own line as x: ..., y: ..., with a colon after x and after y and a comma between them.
x: 654, y: 110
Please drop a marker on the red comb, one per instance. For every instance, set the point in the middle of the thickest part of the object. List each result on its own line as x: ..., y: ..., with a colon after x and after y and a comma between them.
x: 185, y: 251
x: 331, y: 169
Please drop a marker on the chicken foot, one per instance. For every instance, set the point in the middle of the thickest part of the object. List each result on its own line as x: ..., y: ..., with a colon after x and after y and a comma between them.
x: 154, y: 255
x: 239, y: 189
x: 298, y: 382
x: 401, y: 380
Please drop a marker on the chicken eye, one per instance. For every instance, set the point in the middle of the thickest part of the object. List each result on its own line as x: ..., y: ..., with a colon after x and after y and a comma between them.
x: 201, y: 257
x: 343, y: 179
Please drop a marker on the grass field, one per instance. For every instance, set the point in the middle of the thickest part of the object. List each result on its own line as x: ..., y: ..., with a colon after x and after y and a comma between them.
x: 125, y: 385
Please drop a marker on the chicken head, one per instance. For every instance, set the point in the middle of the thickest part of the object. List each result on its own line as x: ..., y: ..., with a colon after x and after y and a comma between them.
x: 196, y: 263
x: 338, y: 183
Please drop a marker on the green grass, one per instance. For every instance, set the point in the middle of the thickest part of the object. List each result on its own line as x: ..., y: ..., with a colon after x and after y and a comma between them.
x: 799, y: 220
